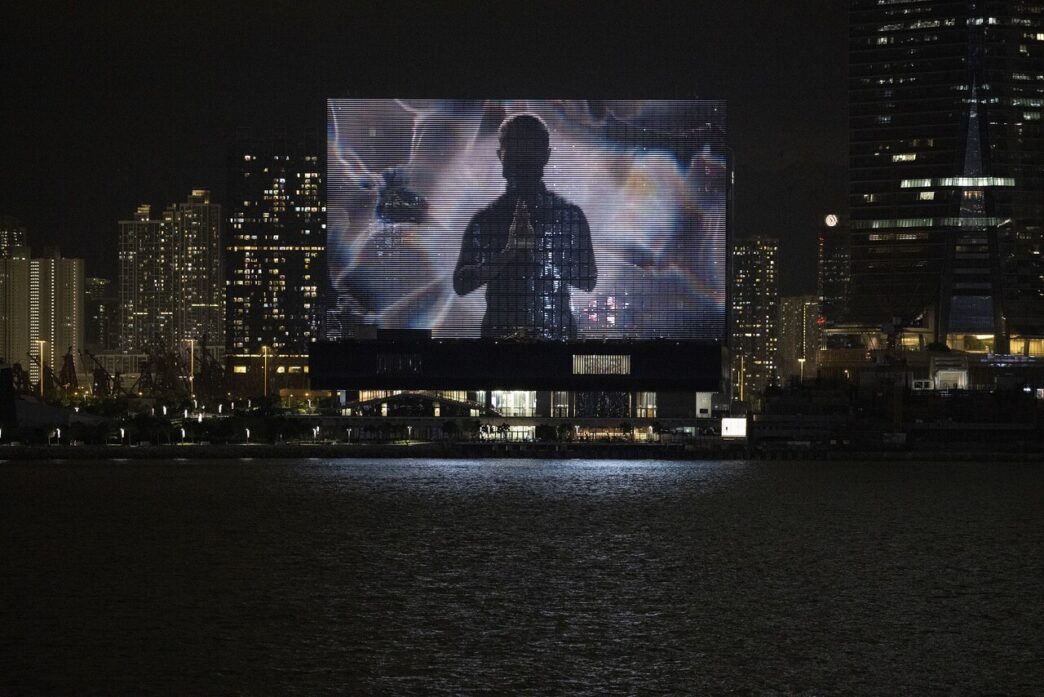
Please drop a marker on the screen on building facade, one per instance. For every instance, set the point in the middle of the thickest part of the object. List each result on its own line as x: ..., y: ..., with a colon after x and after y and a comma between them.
x: 528, y: 219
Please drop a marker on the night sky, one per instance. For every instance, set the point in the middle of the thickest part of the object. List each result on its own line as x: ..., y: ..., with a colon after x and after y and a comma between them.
x: 105, y: 106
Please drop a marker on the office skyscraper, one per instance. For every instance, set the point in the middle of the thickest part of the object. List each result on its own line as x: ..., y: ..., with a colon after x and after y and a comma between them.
x: 41, y: 310
x: 755, y: 317
x: 275, y: 255
x: 947, y: 169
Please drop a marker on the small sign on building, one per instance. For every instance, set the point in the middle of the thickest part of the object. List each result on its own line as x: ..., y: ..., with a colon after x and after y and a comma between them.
x: 734, y: 427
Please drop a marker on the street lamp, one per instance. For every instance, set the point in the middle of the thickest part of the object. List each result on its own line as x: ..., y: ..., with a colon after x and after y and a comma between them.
x: 192, y: 366
x: 801, y: 362
x: 264, y: 355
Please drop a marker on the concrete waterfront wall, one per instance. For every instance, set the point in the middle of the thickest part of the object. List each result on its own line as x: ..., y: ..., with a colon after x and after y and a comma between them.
x: 480, y: 451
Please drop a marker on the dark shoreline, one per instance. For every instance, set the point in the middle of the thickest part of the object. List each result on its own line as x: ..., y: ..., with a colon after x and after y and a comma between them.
x: 550, y: 451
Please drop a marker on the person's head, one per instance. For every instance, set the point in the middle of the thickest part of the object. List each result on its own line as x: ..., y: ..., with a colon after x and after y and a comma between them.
x: 525, y: 146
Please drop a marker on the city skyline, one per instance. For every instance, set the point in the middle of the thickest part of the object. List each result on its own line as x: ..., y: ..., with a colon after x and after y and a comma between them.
x: 787, y: 132
x: 946, y: 162
x: 585, y: 347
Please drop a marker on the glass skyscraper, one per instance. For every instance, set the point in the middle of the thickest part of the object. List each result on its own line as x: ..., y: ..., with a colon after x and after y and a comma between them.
x: 947, y: 169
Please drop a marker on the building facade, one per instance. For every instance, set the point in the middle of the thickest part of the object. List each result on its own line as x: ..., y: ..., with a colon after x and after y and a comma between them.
x: 946, y: 170
x: 832, y: 271
x: 12, y: 235
x: 146, y: 282
x: 798, y: 336
x: 585, y: 388
x: 41, y: 311
x: 101, y: 305
x: 755, y: 317
x: 198, y: 273
x: 275, y: 263
x: 171, y: 285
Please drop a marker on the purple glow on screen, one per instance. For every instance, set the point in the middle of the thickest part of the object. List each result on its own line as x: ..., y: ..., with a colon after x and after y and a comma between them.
x: 406, y: 177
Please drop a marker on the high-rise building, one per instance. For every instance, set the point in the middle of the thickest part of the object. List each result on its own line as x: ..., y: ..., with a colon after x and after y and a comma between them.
x: 12, y: 235
x: 832, y: 266
x: 41, y: 310
x: 275, y: 262
x: 798, y: 336
x: 755, y: 317
x: 198, y: 273
x: 947, y: 168
x: 101, y: 316
x: 146, y: 257
x: 171, y: 276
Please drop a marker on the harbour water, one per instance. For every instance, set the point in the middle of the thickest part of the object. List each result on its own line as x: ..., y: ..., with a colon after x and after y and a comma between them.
x: 520, y: 576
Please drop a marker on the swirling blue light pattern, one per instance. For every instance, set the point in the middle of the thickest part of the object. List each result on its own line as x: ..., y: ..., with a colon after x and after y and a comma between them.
x: 406, y: 177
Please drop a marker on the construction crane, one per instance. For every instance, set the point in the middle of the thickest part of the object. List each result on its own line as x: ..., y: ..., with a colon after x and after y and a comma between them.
x: 161, y: 374
x: 67, y: 379
x: 103, y: 383
x: 212, y: 379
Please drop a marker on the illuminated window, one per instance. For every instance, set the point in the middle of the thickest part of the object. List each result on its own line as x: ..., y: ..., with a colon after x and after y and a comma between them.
x: 559, y: 404
x: 514, y: 402
x: 926, y: 196
x: 599, y: 364
x: 957, y: 181
x: 646, y: 405
x: 904, y: 157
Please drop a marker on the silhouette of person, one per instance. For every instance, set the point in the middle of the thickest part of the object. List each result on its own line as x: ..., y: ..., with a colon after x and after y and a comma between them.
x: 528, y: 247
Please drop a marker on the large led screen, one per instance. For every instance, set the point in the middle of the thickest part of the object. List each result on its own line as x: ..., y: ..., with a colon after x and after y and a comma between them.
x: 528, y: 219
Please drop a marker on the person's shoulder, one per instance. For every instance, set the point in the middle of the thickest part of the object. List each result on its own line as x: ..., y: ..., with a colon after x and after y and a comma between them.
x: 563, y: 207
x: 491, y: 212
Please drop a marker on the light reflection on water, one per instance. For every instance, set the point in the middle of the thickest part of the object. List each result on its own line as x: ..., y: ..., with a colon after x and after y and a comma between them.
x: 588, y: 577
